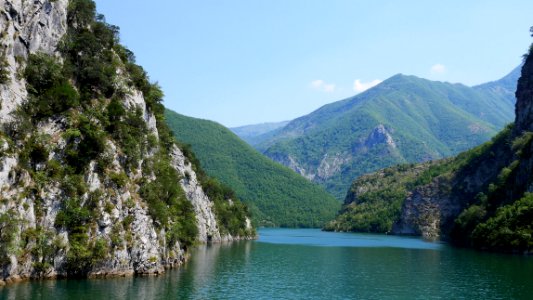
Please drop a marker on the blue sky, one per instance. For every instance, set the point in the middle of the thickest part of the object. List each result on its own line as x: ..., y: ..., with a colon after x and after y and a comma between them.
x: 242, y: 62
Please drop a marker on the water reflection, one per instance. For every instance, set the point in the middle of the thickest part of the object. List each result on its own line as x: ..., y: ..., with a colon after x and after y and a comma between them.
x: 212, y: 266
x: 312, y: 266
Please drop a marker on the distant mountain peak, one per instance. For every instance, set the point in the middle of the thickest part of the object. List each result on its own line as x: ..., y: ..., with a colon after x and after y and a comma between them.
x: 403, y: 119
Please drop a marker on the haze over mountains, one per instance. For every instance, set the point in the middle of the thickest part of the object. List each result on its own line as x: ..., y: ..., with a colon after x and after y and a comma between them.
x: 404, y: 119
x: 252, y: 133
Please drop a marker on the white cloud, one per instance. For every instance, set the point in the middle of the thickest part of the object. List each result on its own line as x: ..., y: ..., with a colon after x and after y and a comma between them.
x: 359, y: 86
x: 317, y: 83
x: 438, y: 69
x: 321, y: 85
x: 329, y: 88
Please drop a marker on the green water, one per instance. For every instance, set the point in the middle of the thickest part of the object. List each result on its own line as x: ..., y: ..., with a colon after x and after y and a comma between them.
x: 310, y: 264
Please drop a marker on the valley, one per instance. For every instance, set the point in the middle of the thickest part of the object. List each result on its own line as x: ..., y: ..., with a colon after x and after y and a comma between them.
x: 131, y: 174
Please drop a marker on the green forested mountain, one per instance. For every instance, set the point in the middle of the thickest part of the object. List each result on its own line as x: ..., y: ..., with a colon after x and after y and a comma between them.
x: 277, y: 195
x: 404, y: 119
x: 481, y: 198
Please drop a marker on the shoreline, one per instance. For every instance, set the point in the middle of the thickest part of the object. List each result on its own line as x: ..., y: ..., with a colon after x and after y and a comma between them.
x: 111, y: 274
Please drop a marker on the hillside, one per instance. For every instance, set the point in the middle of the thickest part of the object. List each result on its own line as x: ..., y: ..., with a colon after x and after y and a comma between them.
x: 480, y: 199
x: 277, y: 195
x: 255, y: 134
x: 92, y: 182
x: 404, y: 119
x: 505, y: 87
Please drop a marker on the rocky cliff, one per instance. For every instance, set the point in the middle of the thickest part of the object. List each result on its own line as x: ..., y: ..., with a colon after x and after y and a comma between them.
x: 91, y: 180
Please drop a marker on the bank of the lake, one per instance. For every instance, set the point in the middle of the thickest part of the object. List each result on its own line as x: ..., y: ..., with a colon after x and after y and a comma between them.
x: 310, y: 264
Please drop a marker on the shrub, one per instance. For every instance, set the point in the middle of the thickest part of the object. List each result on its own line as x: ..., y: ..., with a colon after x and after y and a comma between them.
x: 4, y: 70
x: 49, y: 90
x: 81, y: 13
x: 9, y: 229
x: 509, y: 229
x: 73, y: 216
x: 168, y: 205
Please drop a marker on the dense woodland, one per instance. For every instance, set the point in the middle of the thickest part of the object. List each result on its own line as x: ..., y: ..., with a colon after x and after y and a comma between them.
x: 276, y: 195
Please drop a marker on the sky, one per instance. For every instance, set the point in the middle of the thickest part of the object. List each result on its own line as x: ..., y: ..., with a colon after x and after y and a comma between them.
x: 241, y: 62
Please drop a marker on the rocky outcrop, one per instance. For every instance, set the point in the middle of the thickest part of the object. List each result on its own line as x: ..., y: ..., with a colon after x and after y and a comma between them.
x: 207, y: 224
x: 380, y: 135
x: 120, y: 233
x: 331, y: 165
x: 425, y: 209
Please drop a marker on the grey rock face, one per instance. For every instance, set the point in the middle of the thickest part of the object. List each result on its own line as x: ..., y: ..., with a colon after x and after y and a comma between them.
x: 380, y: 135
x: 424, y: 210
x: 205, y: 216
x: 27, y: 27
x: 138, y: 246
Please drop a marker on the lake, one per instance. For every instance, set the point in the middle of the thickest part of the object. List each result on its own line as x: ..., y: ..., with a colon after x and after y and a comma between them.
x: 311, y: 264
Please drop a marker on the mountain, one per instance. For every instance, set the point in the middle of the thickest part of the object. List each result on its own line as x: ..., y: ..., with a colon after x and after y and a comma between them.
x: 480, y: 198
x: 505, y: 87
x: 277, y: 195
x: 252, y: 133
x: 403, y: 119
x: 92, y: 182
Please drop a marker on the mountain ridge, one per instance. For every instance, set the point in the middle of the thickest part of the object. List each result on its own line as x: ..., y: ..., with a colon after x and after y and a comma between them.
x: 426, y: 119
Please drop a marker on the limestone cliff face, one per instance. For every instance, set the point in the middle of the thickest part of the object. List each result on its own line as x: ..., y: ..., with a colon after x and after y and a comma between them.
x: 379, y: 141
x: 25, y: 27
x: 120, y: 234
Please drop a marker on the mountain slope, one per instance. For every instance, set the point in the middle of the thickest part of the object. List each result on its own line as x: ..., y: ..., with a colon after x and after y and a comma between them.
x: 505, y: 86
x: 481, y: 198
x: 92, y: 182
x: 280, y: 197
x: 254, y: 134
x: 404, y: 119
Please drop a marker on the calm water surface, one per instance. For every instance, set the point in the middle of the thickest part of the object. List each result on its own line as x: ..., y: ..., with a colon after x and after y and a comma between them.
x: 310, y: 264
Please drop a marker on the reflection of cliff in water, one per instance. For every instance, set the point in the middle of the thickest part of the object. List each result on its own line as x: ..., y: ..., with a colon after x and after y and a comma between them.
x: 210, y: 263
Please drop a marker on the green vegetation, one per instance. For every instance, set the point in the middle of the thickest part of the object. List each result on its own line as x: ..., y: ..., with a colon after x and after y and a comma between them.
x: 4, y: 69
x: 425, y: 119
x: 509, y: 230
x: 499, y: 216
x: 373, y: 203
x: 276, y: 195
x: 489, y: 181
x: 9, y: 229
x: 168, y: 205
